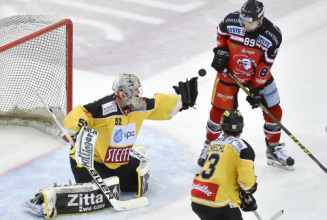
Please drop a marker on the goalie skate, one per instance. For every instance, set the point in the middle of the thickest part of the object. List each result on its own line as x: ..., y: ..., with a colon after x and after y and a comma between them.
x: 36, y: 210
x: 277, y: 158
x: 34, y: 205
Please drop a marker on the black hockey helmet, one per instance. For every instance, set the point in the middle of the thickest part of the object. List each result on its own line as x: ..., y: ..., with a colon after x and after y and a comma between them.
x: 232, y: 120
x: 252, y: 11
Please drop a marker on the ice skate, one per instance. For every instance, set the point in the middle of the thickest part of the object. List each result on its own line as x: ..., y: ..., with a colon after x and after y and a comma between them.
x: 277, y: 158
x: 34, y: 205
x: 203, y: 155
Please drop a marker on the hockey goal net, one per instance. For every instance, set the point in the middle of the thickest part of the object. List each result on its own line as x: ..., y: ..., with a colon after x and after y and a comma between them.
x: 35, y: 53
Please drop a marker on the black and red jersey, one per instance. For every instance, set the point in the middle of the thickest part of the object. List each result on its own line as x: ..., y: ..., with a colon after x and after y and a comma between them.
x: 252, y: 54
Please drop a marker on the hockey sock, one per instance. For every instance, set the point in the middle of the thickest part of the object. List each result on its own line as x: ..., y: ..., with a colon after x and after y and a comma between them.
x: 270, y: 128
x: 213, y: 124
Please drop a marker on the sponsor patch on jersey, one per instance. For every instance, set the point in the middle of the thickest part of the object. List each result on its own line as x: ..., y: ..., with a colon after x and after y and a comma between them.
x: 249, y: 52
x: 109, y: 107
x: 261, y: 81
x: 233, y: 46
x: 118, y: 155
x: 123, y: 135
x: 238, y: 145
x: 272, y: 36
x: 236, y: 30
x: 232, y: 20
x: 271, y: 94
x: 204, y: 190
x: 264, y: 41
x: 225, y: 97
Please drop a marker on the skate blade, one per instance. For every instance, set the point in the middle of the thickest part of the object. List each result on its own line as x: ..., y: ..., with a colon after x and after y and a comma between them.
x: 275, y: 164
x: 28, y: 208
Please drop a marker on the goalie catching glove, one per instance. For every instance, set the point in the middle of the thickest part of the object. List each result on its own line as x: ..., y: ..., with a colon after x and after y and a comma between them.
x: 188, y: 91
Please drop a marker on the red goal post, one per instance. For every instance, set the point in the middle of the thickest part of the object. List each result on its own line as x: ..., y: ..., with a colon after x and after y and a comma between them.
x: 36, y: 52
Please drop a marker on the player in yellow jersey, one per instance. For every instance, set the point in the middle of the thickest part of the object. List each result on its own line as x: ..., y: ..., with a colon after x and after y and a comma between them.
x: 227, y: 180
x: 118, y: 118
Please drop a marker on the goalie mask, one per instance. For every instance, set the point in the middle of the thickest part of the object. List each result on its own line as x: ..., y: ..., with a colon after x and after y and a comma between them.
x: 128, y: 87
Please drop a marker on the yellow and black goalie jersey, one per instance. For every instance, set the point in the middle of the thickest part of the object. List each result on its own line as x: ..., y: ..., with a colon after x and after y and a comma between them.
x: 118, y: 128
x: 229, y: 166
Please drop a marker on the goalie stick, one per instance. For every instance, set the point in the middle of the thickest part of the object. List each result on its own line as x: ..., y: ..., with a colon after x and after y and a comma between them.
x: 117, y: 204
x: 278, y: 122
x: 274, y: 217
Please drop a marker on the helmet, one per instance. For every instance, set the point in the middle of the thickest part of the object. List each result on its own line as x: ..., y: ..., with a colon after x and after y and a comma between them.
x: 128, y: 87
x: 251, y: 11
x: 232, y: 120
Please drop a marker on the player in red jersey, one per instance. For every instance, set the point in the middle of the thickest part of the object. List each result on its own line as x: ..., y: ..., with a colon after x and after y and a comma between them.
x: 247, y: 45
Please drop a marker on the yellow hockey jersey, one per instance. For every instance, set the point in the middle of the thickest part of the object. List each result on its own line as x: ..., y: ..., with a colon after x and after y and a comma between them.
x: 229, y: 166
x: 118, y: 128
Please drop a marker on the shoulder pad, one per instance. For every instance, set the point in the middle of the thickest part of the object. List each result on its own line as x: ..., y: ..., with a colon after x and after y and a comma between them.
x: 102, y: 107
x: 248, y: 152
x: 241, y: 146
x: 238, y: 144
x: 232, y: 18
x: 272, y: 33
x: 237, y: 12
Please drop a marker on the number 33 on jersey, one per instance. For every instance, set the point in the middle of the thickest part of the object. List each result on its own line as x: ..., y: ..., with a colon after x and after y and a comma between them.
x: 229, y: 165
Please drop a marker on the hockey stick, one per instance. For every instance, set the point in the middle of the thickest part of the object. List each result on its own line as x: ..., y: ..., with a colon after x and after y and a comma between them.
x: 277, y: 215
x: 277, y: 122
x: 117, y: 204
x: 274, y: 217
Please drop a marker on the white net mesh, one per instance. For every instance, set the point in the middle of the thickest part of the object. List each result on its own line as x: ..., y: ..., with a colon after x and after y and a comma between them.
x: 39, y: 63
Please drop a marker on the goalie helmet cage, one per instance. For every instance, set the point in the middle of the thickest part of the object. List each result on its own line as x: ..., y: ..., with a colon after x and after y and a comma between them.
x: 35, y: 53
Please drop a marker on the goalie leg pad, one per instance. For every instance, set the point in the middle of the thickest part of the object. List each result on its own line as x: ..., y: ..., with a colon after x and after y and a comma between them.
x: 73, y: 199
x: 143, y: 170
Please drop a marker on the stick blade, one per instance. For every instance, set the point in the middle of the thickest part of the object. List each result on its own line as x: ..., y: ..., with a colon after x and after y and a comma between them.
x: 277, y: 215
x: 130, y: 204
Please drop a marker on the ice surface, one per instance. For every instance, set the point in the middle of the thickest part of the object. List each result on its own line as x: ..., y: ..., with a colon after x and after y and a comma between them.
x: 165, y: 42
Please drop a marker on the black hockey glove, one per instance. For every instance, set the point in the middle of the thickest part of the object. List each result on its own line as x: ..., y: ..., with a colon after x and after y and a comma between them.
x: 249, y: 204
x: 189, y: 92
x: 256, y: 97
x: 220, y: 59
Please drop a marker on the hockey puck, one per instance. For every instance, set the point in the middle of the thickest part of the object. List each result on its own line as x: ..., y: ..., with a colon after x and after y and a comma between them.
x: 202, y: 72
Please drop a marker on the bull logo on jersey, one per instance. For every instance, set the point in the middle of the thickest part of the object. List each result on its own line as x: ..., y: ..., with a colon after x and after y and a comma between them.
x: 245, y: 65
